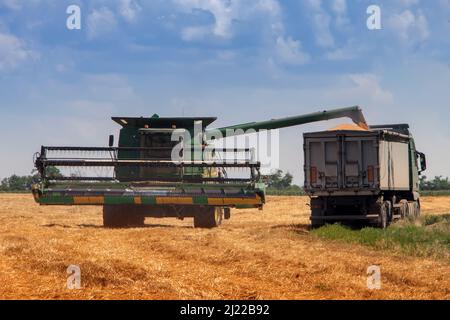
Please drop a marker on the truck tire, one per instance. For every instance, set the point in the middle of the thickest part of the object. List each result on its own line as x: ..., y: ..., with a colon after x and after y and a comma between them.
x: 118, y: 216
x: 416, y: 207
x: 208, y: 218
x: 413, y: 210
x: 316, y: 205
x: 390, y: 212
x: 410, y: 213
x: 383, y: 215
x: 404, y: 209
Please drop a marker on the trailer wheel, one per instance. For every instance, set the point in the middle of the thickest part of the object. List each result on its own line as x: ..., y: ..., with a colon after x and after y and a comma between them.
x: 416, y: 207
x: 118, y: 216
x: 316, y: 205
x: 413, y: 210
x: 383, y: 216
x: 390, y: 212
x: 208, y: 218
x: 410, y: 214
x: 404, y: 209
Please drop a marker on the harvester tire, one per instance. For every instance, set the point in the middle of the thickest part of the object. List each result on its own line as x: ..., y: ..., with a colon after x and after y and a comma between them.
x: 136, y: 220
x: 116, y: 216
x: 208, y: 218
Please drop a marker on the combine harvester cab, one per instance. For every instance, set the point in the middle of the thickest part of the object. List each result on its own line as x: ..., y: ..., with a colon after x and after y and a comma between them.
x: 154, y: 172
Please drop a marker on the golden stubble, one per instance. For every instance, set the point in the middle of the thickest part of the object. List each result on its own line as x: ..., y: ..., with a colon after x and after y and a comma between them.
x: 266, y: 254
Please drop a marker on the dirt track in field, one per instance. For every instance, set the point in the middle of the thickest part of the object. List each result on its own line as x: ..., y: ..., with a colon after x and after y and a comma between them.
x: 255, y: 255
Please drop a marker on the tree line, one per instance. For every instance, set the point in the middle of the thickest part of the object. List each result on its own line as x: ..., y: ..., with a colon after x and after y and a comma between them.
x: 436, y: 184
x: 278, y: 180
x: 282, y: 181
x: 16, y: 183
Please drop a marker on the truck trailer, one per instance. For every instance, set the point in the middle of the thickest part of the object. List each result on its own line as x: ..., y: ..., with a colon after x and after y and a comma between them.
x: 368, y: 176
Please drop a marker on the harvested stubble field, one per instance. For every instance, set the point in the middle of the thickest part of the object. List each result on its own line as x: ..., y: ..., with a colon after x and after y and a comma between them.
x: 255, y: 255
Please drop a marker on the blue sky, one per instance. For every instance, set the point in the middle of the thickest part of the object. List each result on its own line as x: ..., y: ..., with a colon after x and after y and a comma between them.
x: 237, y: 60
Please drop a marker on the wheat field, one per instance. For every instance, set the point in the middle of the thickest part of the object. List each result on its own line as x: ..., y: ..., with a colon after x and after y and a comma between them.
x: 267, y: 254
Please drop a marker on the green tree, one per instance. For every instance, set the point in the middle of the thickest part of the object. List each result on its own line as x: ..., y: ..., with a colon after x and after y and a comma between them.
x: 278, y: 180
x: 438, y: 183
x: 18, y: 183
x: 24, y: 183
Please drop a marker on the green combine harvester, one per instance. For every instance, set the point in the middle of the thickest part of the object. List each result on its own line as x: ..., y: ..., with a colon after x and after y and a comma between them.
x: 141, y: 178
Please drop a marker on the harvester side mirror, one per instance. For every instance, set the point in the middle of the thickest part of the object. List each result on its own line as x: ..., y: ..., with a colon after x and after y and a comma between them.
x: 423, y: 162
x: 111, y: 141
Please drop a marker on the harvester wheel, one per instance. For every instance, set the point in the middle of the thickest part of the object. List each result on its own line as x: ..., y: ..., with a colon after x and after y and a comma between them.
x: 117, y: 216
x: 136, y: 220
x: 208, y: 217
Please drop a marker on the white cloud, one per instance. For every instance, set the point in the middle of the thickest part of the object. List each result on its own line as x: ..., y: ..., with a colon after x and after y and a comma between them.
x: 109, y: 87
x: 94, y: 106
x: 226, y: 55
x: 289, y: 51
x: 100, y: 21
x: 11, y: 4
x: 65, y: 66
x: 284, y: 49
x: 345, y: 53
x: 408, y: 2
x: 324, y: 38
x: 225, y: 13
x: 129, y: 9
x: 339, y: 8
x: 194, y: 33
x: 12, y: 51
x: 351, y: 50
x: 410, y: 28
x: 321, y: 22
x: 19, y: 4
x: 444, y: 4
x: 368, y: 85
